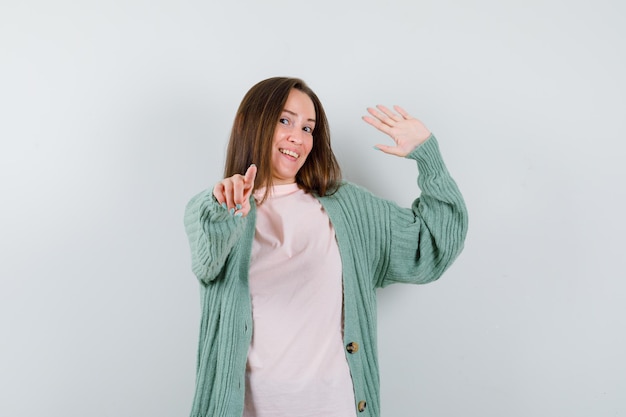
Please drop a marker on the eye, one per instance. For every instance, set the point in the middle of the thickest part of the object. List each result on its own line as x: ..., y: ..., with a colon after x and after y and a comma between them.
x: 307, y: 129
x: 283, y: 120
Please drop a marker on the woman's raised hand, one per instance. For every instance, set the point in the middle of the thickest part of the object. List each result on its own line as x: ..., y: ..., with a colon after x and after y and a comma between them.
x: 233, y: 193
x: 407, y: 132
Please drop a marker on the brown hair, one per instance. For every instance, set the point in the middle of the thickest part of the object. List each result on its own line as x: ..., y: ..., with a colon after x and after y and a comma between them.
x: 253, y: 133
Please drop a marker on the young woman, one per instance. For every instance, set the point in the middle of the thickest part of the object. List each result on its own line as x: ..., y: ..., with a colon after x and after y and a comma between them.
x: 289, y: 257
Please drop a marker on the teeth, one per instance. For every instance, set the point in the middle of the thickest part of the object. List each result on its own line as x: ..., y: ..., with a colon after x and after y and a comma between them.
x: 290, y: 153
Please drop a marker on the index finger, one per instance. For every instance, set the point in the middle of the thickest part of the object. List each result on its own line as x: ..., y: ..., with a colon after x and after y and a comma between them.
x: 250, y: 175
x: 377, y: 124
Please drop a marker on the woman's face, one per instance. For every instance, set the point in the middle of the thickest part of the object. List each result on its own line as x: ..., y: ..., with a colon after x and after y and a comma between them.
x: 293, y: 137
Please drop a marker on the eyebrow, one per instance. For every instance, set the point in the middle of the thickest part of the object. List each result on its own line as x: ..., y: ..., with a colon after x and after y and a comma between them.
x: 295, y: 114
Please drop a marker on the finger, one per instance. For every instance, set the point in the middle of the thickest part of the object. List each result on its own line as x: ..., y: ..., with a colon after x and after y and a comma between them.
x: 249, y: 183
x: 377, y: 124
x: 389, y: 113
x: 218, y: 193
x: 228, y: 193
x: 402, y: 112
x: 379, y: 115
x: 238, y: 190
x: 243, y: 211
x: 391, y: 150
x: 250, y: 176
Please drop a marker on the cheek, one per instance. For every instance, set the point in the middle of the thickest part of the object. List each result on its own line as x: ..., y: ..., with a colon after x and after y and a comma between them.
x: 277, y: 137
x: 309, y: 145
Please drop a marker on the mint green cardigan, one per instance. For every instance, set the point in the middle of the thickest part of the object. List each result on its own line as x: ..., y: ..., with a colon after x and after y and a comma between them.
x: 380, y: 244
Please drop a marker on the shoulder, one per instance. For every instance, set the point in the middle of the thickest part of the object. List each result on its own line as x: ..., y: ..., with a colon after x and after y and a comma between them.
x: 350, y: 197
x: 347, y: 190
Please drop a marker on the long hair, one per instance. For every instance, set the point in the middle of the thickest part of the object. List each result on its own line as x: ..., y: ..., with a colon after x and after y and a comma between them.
x: 253, y: 133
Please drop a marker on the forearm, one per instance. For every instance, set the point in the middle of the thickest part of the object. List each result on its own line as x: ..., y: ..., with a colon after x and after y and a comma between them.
x: 429, y: 237
x: 212, y: 234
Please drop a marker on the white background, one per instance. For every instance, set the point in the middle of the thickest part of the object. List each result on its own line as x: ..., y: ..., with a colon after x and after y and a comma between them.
x: 113, y: 114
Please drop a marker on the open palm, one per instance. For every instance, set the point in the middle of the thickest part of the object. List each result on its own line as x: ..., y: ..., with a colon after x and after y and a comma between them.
x: 406, y: 131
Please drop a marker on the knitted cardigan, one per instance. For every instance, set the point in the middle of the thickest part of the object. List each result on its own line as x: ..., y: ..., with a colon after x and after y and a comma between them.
x: 380, y: 243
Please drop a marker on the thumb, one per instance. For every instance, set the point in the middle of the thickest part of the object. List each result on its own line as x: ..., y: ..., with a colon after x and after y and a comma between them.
x: 391, y: 150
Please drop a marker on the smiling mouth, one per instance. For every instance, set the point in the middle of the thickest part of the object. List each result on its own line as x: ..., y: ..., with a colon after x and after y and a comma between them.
x: 290, y: 153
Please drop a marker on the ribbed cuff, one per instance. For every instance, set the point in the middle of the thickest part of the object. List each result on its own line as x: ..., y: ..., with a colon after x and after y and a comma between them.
x: 428, y: 156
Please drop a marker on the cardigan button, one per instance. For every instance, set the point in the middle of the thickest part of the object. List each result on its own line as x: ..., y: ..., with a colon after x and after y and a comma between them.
x: 352, y: 347
x: 361, y: 406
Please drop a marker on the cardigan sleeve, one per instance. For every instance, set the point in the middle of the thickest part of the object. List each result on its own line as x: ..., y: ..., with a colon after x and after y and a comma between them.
x: 424, y: 240
x: 212, y: 233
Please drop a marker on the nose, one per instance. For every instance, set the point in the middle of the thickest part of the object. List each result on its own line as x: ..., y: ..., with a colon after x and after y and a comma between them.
x: 297, y: 136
